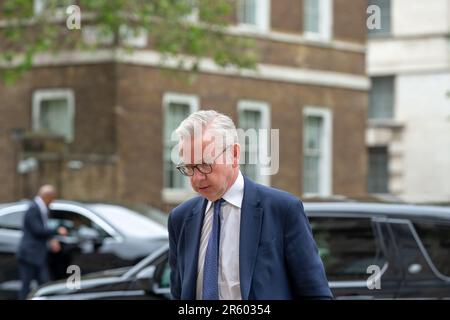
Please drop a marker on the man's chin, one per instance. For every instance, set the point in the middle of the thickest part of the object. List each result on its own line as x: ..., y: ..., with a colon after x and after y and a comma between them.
x: 207, y: 193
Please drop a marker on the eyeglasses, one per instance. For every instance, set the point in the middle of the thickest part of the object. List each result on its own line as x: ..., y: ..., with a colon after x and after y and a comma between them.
x: 205, y: 168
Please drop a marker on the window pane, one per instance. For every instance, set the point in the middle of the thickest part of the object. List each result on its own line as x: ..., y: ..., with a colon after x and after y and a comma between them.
x: 436, y: 239
x: 12, y: 220
x: 347, y: 247
x: 385, y: 23
x: 251, y: 119
x: 312, y: 16
x: 378, y: 170
x: 311, y: 174
x: 247, y: 12
x: 55, y: 118
x: 313, y: 133
x: 164, y: 282
x: 175, y: 114
x: 381, y: 103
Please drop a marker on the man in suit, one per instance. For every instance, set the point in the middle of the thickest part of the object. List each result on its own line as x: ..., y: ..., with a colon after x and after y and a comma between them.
x: 238, y: 239
x: 36, y: 240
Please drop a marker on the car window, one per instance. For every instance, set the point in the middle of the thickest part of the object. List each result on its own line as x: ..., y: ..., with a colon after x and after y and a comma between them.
x: 129, y: 222
x: 347, y: 246
x: 436, y: 239
x: 12, y: 220
x: 164, y: 281
x: 73, y: 222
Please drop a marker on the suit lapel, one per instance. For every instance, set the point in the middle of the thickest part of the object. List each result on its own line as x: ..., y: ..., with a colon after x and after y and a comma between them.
x: 193, y: 230
x: 250, y: 232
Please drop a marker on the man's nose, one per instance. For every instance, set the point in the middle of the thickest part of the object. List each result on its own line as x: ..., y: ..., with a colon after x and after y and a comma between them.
x: 198, y: 176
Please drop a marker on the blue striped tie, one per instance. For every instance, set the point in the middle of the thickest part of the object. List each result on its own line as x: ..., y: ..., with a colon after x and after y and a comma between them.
x: 211, y: 267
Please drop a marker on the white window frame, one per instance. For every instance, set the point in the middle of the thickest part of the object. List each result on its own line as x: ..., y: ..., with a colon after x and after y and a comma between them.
x: 91, y: 35
x: 325, y: 166
x: 262, y: 18
x: 38, y: 6
x: 177, y: 195
x: 325, y: 23
x: 264, y: 108
x: 138, y: 40
x: 53, y: 94
x: 194, y: 16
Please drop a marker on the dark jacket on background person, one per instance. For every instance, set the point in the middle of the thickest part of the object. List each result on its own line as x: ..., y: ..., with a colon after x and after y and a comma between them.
x: 33, y: 245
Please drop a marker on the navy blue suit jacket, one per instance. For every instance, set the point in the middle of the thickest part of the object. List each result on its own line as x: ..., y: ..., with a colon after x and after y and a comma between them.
x: 33, y: 245
x: 278, y: 257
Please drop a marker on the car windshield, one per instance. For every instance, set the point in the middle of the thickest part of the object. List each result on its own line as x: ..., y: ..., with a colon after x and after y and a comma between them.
x: 129, y: 222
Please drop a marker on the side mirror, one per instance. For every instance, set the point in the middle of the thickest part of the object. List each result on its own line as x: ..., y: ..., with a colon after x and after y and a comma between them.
x: 145, y: 278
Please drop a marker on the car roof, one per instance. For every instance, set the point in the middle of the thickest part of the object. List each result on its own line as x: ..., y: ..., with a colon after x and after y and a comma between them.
x: 379, y: 209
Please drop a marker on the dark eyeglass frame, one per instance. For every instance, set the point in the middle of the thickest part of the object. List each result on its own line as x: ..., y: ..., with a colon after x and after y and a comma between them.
x: 203, y: 168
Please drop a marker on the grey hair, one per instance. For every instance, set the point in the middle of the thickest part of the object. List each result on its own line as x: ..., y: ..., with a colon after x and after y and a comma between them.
x: 208, y: 120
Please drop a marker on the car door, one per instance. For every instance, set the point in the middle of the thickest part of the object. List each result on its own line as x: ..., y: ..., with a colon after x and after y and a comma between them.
x: 157, y: 287
x: 11, y: 220
x: 354, y: 256
x: 90, y: 254
x: 424, y: 252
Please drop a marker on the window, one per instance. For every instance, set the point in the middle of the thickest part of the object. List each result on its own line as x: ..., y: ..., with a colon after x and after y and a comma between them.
x: 164, y: 281
x: 53, y: 112
x: 193, y: 16
x: 436, y: 239
x: 317, y: 151
x: 346, y: 246
x: 378, y: 170
x: 177, y: 107
x: 381, y: 99
x: 12, y: 220
x: 74, y: 222
x: 318, y: 19
x: 133, y: 37
x: 254, y: 115
x: 254, y: 13
x: 385, y: 17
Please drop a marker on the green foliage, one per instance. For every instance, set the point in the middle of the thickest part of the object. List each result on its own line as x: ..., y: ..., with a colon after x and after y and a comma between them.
x: 168, y: 23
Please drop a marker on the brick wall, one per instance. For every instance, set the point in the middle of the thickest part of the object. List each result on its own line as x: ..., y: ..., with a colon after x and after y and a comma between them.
x: 140, y: 127
x: 94, y: 91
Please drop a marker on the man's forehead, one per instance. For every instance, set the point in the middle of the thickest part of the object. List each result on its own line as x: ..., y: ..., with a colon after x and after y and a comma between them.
x: 189, y: 144
x: 199, y: 149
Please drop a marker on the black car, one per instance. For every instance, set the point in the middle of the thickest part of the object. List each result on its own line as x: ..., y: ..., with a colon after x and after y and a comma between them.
x: 101, y: 237
x: 133, y: 283
x: 370, y: 251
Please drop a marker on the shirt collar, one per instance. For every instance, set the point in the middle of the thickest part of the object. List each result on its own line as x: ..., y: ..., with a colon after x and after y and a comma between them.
x: 235, y: 194
x: 41, y: 205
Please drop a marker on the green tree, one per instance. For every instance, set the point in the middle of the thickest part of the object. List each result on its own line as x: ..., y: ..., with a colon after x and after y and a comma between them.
x: 175, y: 28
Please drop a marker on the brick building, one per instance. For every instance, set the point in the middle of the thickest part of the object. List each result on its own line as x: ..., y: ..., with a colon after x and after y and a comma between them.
x: 110, y: 114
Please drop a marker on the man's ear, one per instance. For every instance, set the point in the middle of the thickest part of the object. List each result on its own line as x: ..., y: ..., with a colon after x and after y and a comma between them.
x: 236, y: 154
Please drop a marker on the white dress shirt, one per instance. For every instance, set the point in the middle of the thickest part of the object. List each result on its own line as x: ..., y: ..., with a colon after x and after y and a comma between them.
x: 43, y: 208
x: 230, y: 222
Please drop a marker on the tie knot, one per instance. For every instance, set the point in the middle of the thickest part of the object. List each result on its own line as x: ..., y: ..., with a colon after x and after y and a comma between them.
x: 218, y: 203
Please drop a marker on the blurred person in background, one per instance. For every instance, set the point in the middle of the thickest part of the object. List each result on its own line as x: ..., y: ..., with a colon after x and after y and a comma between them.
x: 36, y: 240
